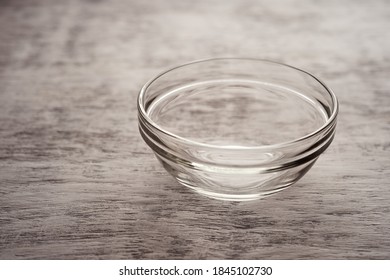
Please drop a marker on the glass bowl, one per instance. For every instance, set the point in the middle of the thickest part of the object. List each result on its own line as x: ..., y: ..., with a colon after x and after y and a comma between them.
x: 237, y: 129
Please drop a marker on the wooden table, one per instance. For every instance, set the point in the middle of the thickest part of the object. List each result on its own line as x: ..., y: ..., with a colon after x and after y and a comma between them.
x: 77, y: 181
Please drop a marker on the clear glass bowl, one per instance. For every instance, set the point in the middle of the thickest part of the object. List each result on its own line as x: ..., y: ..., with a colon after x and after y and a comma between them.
x: 237, y: 129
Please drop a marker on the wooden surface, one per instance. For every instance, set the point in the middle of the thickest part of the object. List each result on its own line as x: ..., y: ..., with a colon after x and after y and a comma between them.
x: 77, y: 181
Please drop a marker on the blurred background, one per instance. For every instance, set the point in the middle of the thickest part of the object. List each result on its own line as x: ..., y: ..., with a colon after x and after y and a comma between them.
x: 77, y: 181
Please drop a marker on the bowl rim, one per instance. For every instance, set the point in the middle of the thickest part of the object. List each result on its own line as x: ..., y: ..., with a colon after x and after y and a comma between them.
x: 329, y: 122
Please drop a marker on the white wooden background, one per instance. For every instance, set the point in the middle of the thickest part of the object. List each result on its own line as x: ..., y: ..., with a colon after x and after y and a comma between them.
x: 77, y: 181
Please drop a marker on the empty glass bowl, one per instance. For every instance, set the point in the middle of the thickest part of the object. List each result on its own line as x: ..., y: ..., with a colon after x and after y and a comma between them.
x: 237, y: 129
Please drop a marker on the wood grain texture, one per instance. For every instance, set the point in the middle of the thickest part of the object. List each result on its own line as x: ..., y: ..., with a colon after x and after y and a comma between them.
x: 77, y: 181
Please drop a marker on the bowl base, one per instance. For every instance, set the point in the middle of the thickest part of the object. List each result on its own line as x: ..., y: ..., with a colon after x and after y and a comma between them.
x: 234, y: 197
x: 239, y: 185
